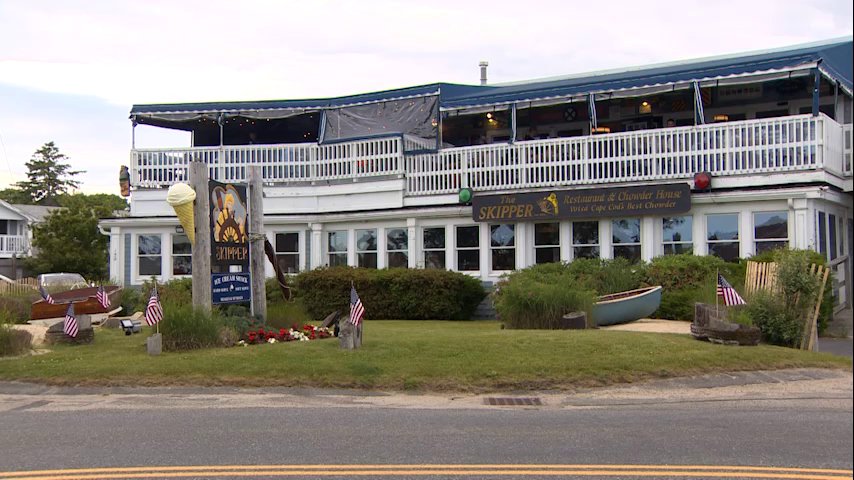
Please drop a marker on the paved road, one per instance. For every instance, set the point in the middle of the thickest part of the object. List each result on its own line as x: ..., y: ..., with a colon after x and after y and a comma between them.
x: 785, y: 419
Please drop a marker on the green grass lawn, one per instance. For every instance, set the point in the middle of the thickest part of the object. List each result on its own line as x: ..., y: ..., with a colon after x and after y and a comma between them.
x: 411, y: 355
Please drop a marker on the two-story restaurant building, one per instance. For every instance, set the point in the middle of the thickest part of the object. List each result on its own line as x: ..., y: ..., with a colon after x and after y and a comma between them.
x: 724, y: 156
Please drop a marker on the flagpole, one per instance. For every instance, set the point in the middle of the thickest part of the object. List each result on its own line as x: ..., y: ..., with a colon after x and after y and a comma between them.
x: 717, y: 283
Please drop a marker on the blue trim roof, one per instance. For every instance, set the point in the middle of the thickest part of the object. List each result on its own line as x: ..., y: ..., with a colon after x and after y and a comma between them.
x: 833, y: 57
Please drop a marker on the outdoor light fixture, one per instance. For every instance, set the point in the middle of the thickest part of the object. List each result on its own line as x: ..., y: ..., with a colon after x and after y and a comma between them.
x: 489, y: 115
x: 645, y: 107
x: 601, y: 130
x: 721, y: 117
x: 702, y: 181
x: 465, y: 196
x: 129, y: 327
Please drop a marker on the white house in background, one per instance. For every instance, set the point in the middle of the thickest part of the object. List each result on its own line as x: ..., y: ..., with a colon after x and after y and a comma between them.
x: 374, y: 180
x: 16, y: 235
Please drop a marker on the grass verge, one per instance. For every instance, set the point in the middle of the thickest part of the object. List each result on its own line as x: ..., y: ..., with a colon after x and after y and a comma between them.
x: 406, y: 355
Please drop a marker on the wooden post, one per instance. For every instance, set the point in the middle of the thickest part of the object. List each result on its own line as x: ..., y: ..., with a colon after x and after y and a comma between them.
x: 256, y: 241
x: 202, y: 247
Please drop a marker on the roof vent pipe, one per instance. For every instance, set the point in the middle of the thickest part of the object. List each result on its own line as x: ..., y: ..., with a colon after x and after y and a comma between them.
x: 483, y: 66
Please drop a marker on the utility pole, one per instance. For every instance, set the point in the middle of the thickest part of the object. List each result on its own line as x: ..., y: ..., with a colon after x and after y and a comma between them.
x: 256, y: 241
x: 202, y: 247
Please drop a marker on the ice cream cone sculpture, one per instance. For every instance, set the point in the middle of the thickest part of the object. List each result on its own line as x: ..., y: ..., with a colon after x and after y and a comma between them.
x: 180, y: 196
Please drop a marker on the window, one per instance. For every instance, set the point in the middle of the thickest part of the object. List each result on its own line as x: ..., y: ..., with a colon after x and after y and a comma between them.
x: 287, y: 252
x: 626, y: 238
x: 770, y: 230
x: 4, y: 227
x: 366, y: 248
x: 822, y: 234
x: 397, y: 248
x: 546, y: 242
x: 677, y: 233
x: 182, y: 255
x: 468, y: 248
x: 337, y: 248
x: 503, y: 246
x: 434, y: 247
x: 722, y: 236
x: 585, y: 239
x: 148, y: 255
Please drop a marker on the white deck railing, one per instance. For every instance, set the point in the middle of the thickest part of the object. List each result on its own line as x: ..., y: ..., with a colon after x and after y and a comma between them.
x: 784, y: 144
x: 12, y: 244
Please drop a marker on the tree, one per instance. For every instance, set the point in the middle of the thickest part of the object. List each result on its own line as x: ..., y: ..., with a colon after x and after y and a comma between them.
x: 48, y: 176
x: 69, y: 240
x: 14, y: 195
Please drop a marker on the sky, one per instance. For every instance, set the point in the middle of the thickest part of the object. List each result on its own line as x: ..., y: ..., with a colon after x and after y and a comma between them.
x: 70, y: 70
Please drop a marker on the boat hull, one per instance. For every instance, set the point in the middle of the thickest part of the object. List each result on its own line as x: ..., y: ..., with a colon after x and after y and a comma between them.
x: 85, y: 303
x: 626, y: 307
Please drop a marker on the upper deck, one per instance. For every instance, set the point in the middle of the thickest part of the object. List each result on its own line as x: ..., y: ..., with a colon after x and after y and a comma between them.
x: 772, y: 151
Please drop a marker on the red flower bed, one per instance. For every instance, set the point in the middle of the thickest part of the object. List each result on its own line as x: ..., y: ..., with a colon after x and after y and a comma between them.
x: 294, y: 334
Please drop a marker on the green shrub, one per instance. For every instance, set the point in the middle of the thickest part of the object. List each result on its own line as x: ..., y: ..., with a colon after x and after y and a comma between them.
x: 779, y: 324
x: 605, y: 276
x: 687, y: 279
x: 132, y: 301
x: 274, y: 293
x: 287, y: 314
x: 17, y: 306
x: 826, y: 309
x: 401, y: 294
x: 539, y: 296
x: 13, y: 341
x: 186, y: 328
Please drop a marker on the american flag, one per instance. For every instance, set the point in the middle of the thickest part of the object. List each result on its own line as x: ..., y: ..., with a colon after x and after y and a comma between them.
x: 153, y: 312
x: 103, y: 298
x: 46, y: 296
x: 357, y: 310
x: 731, y: 297
x: 70, y: 326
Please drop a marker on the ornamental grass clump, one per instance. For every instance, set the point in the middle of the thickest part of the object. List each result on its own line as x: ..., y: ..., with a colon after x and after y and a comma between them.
x: 13, y: 342
x: 187, y: 328
x: 538, y: 297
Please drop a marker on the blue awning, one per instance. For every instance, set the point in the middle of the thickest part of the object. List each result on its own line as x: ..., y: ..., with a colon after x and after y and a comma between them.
x: 833, y: 58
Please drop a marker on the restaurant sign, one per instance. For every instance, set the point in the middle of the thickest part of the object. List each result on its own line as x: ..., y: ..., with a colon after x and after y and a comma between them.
x: 663, y: 199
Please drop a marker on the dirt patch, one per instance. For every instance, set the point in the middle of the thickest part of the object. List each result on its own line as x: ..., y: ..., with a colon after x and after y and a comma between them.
x: 37, y: 331
x: 654, y: 325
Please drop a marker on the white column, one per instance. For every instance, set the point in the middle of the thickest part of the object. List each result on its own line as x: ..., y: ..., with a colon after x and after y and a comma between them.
x: 565, y: 242
x: 412, y: 243
x: 524, y: 245
x: 698, y: 231
x: 801, y: 224
x: 745, y: 233
x: 484, y: 250
x: 316, y: 260
x: 117, y: 257
x: 605, y: 250
x: 649, y: 242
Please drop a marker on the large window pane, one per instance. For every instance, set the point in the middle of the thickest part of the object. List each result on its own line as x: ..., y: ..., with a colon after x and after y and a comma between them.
x: 337, y: 248
x: 546, y: 242
x: 721, y: 230
x: 149, y: 255
x: 677, y: 233
x: 287, y: 251
x: 182, y: 255
x: 397, y: 248
x: 434, y: 247
x: 585, y: 239
x: 366, y: 248
x: 502, y: 243
x: 625, y: 235
x: 770, y: 230
x: 468, y: 248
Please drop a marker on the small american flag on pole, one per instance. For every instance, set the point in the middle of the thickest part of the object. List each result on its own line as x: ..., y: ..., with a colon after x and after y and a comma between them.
x: 46, y: 296
x: 357, y: 310
x: 70, y: 326
x: 102, y: 297
x: 731, y: 297
x: 153, y: 312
